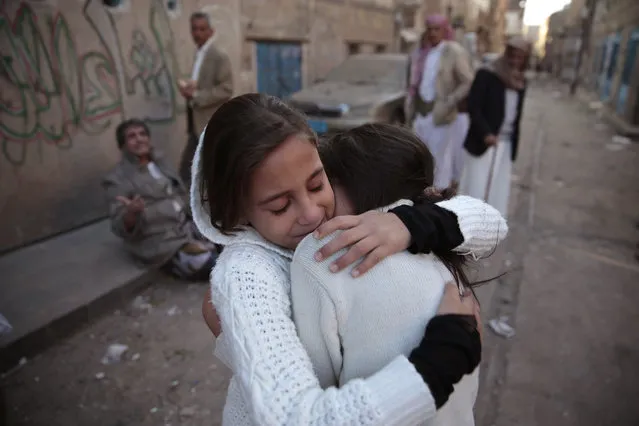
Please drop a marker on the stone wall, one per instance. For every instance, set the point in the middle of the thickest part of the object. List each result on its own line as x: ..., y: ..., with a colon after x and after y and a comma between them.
x: 616, y: 17
x: 73, y: 69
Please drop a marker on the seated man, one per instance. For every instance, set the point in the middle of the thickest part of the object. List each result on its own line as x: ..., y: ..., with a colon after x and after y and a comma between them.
x: 148, y: 207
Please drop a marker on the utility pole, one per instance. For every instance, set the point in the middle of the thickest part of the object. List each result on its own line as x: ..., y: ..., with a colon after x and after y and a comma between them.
x: 586, y: 31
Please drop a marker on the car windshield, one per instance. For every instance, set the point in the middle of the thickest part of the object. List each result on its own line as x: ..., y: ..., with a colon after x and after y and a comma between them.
x: 370, y: 71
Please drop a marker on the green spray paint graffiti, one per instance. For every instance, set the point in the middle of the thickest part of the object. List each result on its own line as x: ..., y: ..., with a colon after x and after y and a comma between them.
x: 44, y: 79
x: 51, y: 90
x: 145, y: 69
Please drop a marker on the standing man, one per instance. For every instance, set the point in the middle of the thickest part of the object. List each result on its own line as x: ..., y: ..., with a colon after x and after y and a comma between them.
x: 440, y: 78
x: 211, y: 85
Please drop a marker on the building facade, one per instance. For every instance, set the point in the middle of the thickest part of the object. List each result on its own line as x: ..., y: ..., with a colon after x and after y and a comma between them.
x: 514, y: 18
x: 612, y: 68
x: 557, y: 29
x: 73, y: 69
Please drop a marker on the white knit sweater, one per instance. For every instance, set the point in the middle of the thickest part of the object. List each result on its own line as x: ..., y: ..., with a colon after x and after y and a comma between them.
x: 273, y: 380
x: 352, y: 328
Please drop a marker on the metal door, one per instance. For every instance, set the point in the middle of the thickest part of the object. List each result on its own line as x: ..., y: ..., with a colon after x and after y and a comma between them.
x: 628, y: 68
x: 610, y: 65
x: 279, y: 68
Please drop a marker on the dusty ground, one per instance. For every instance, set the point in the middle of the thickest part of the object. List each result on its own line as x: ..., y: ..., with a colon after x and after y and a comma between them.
x: 571, y: 292
x: 167, y: 377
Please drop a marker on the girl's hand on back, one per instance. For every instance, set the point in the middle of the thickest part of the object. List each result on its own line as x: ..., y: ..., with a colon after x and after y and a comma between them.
x: 372, y: 236
x: 210, y: 315
x: 455, y: 304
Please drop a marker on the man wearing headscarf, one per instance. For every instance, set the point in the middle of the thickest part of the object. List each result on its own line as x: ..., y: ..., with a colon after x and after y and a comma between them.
x: 495, y: 104
x: 440, y: 77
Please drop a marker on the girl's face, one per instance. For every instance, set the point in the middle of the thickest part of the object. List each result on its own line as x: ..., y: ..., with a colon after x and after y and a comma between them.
x: 289, y: 194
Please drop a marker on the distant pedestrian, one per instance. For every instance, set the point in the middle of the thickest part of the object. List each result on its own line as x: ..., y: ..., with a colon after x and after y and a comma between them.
x: 439, y: 80
x: 210, y: 85
x: 495, y: 105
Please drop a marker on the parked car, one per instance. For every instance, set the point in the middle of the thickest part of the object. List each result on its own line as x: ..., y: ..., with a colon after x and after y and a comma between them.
x: 364, y: 88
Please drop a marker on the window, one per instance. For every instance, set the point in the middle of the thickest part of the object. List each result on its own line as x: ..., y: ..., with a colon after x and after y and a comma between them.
x: 354, y: 48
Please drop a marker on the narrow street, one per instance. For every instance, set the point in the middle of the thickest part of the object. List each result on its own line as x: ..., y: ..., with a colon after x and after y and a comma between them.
x: 572, y: 286
x: 571, y: 292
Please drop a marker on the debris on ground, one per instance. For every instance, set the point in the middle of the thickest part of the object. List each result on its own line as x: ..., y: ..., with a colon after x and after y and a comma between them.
x: 621, y: 140
x: 114, y: 353
x: 153, y: 410
x: 135, y: 357
x: 596, y: 105
x: 174, y: 310
x: 501, y: 327
x: 142, y: 303
x: 100, y: 375
x: 188, y: 411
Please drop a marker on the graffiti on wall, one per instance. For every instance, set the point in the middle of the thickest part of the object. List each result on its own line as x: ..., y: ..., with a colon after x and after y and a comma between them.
x: 58, y: 82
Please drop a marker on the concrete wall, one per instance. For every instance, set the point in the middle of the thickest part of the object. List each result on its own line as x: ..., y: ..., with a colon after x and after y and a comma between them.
x: 621, y: 16
x: 71, y: 70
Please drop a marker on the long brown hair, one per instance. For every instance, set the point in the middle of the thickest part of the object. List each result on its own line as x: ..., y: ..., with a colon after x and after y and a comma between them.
x: 379, y: 164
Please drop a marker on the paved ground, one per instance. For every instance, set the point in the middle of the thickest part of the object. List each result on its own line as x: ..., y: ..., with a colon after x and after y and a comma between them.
x: 571, y: 291
x: 573, y: 288
x: 168, y: 375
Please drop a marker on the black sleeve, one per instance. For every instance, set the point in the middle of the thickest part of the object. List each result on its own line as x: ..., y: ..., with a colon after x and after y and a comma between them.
x: 432, y: 228
x: 478, y: 92
x: 451, y: 348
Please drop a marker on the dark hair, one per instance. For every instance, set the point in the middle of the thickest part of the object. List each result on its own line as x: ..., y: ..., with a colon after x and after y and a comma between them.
x: 200, y: 15
x: 379, y: 164
x: 238, y: 137
x: 120, y: 131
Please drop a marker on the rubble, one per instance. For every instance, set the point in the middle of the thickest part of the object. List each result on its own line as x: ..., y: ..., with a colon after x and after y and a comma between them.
x: 174, y: 310
x: 114, y: 353
x: 142, y: 303
x: 500, y: 327
x: 188, y: 411
x: 621, y: 140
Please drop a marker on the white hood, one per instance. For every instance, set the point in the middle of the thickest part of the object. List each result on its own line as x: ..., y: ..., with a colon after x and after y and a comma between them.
x: 202, y: 216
